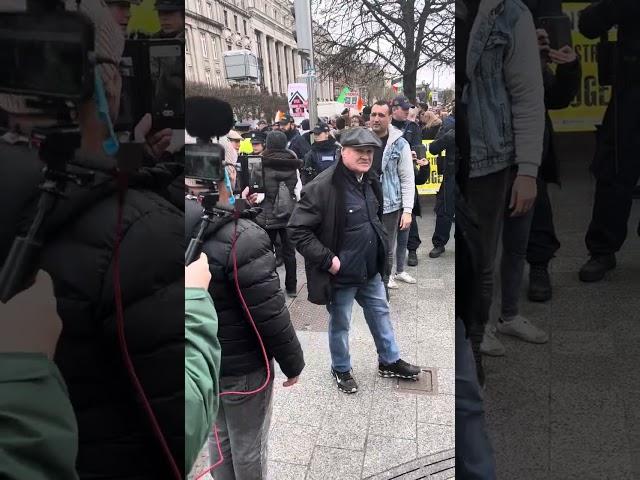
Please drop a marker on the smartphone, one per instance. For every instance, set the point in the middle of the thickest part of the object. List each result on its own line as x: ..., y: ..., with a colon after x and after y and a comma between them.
x: 421, y: 151
x: 46, y: 55
x: 559, y: 30
x: 166, y: 74
x: 255, y: 174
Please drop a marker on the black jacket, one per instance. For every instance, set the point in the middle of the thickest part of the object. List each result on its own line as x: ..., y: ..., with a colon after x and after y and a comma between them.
x: 115, y: 440
x: 278, y: 166
x: 314, y: 160
x: 300, y: 143
x: 317, y: 228
x: 260, y: 286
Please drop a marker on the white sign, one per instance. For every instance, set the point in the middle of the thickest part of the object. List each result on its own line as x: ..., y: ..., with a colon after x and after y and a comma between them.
x: 298, y: 101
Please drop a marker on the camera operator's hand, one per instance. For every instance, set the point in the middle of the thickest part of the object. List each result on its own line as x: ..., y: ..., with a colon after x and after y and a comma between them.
x: 198, y: 275
x: 155, y: 143
x: 290, y: 382
x: 523, y: 195
x: 252, y: 199
x: 335, y: 266
x: 565, y: 55
x: 29, y: 323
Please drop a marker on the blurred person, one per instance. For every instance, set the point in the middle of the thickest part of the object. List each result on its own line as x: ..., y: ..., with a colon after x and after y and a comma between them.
x: 121, y: 11
x: 393, y: 164
x: 615, y: 164
x: 341, y: 125
x: 78, y: 253
x: 172, y: 19
x: 280, y: 168
x: 503, y: 159
x: 301, y: 144
x: 288, y: 127
x: 356, y: 121
x: 243, y: 420
x: 431, y: 124
x: 337, y: 228
x: 258, y: 140
x: 235, y: 138
x: 262, y: 125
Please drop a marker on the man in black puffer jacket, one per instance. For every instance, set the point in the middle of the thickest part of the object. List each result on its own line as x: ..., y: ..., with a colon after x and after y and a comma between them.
x: 337, y: 228
x: 243, y: 421
x: 80, y: 234
x: 280, y: 167
x: 324, y: 152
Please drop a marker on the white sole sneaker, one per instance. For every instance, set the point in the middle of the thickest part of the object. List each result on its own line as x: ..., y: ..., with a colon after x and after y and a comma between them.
x: 405, y: 277
x: 520, y: 328
x: 490, y: 345
x: 392, y: 284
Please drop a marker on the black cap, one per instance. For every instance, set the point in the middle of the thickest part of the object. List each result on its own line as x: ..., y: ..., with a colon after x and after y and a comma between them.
x: 242, y: 126
x: 287, y: 119
x: 256, y: 137
x: 345, y: 112
x: 359, y: 137
x: 304, y: 125
x: 169, y: 5
x: 321, y: 128
x: 402, y: 102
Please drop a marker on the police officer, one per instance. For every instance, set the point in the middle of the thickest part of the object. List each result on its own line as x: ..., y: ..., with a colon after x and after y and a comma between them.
x: 615, y: 165
x: 171, y: 14
x: 121, y: 12
x: 258, y: 139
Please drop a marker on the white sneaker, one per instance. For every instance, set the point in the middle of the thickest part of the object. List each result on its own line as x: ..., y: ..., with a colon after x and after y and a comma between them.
x: 490, y: 344
x: 404, y: 277
x: 521, y: 328
x: 392, y: 283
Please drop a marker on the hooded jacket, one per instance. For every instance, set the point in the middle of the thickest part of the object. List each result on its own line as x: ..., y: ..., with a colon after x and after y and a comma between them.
x: 278, y: 166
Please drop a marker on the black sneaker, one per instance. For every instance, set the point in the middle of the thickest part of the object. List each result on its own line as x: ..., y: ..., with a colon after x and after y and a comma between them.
x: 596, y: 267
x: 412, y: 259
x: 539, y: 284
x: 436, y: 251
x: 400, y: 369
x: 345, y: 381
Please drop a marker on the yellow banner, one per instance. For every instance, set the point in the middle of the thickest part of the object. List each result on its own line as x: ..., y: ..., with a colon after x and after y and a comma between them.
x: 587, y: 109
x: 432, y: 185
x: 144, y: 18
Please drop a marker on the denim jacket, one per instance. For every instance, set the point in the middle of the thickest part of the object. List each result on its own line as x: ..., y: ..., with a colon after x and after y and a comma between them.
x: 398, y: 179
x: 504, y: 95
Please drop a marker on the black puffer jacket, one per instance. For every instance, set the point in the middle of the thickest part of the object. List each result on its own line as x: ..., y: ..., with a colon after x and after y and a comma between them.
x: 278, y: 166
x: 115, y: 440
x: 260, y: 287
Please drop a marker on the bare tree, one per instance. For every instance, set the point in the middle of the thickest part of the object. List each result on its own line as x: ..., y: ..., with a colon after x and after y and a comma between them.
x: 390, y: 37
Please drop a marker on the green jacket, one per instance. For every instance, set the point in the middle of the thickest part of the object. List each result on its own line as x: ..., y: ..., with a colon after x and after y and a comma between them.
x: 202, y: 370
x: 38, y: 430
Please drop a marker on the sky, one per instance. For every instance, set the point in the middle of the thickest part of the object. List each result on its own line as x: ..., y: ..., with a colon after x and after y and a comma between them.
x: 442, y: 78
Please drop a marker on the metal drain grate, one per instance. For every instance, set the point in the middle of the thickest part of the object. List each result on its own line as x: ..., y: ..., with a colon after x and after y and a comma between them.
x: 425, y: 385
x: 307, y: 316
x: 439, y: 466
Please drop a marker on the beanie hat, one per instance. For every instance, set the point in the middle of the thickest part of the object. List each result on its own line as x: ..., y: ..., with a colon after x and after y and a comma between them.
x: 276, y: 140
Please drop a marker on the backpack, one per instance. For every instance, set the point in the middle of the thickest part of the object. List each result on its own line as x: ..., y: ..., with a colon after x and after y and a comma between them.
x: 283, y: 204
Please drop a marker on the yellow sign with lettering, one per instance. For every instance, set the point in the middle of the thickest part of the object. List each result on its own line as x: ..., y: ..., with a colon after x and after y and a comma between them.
x: 432, y: 185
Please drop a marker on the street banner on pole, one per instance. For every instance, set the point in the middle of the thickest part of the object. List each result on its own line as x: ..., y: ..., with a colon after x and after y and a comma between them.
x: 297, y: 94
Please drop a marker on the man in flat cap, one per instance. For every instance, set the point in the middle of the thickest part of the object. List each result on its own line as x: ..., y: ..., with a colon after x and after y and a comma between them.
x: 337, y: 228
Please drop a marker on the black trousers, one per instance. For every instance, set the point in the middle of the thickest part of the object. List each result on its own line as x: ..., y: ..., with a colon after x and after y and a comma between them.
x: 616, y: 169
x: 289, y: 257
x: 543, y: 242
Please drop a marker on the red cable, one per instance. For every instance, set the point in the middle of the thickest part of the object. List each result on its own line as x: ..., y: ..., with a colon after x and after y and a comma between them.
x: 234, y: 256
x: 122, y: 181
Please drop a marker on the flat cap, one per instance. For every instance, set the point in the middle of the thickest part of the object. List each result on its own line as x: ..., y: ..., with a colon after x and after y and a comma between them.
x: 359, y: 137
x: 233, y: 135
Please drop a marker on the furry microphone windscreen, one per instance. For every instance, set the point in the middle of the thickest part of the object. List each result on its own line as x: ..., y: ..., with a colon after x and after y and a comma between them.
x: 207, y: 117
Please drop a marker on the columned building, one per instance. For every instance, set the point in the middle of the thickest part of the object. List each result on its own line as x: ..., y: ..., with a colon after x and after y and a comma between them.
x: 265, y: 27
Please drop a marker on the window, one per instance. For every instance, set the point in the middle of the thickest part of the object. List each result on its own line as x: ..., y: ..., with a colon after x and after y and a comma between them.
x: 199, y: 7
x: 210, y: 10
x: 244, y: 23
x: 226, y: 19
x: 214, y: 46
x: 187, y: 41
x: 235, y: 22
x: 207, y: 76
x: 203, y: 41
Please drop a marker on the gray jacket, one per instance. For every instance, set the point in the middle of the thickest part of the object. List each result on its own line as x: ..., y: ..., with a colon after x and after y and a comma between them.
x: 505, y: 93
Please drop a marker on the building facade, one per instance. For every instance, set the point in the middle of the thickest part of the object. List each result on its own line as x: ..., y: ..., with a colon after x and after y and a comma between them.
x: 265, y: 27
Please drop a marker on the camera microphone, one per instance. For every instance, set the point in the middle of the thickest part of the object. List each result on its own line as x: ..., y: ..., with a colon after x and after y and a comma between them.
x: 207, y: 117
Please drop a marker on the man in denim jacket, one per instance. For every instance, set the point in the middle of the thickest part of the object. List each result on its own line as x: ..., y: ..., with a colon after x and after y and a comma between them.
x: 504, y: 100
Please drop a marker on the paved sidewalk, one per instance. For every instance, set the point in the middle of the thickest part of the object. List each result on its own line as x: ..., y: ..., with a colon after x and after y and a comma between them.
x: 569, y: 409
x: 320, y: 433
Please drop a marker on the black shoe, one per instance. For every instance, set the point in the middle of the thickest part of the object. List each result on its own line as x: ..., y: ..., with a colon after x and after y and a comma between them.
x: 539, y: 284
x: 292, y: 293
x: 596, y: 267
x: 412, y: 259
x: 436, y: 251
x: 345, y: 381
x: 400, y: 369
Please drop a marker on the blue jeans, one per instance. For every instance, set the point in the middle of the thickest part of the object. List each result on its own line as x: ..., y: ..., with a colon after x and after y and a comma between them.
x: 373, y: 300
x: 474, y: 455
